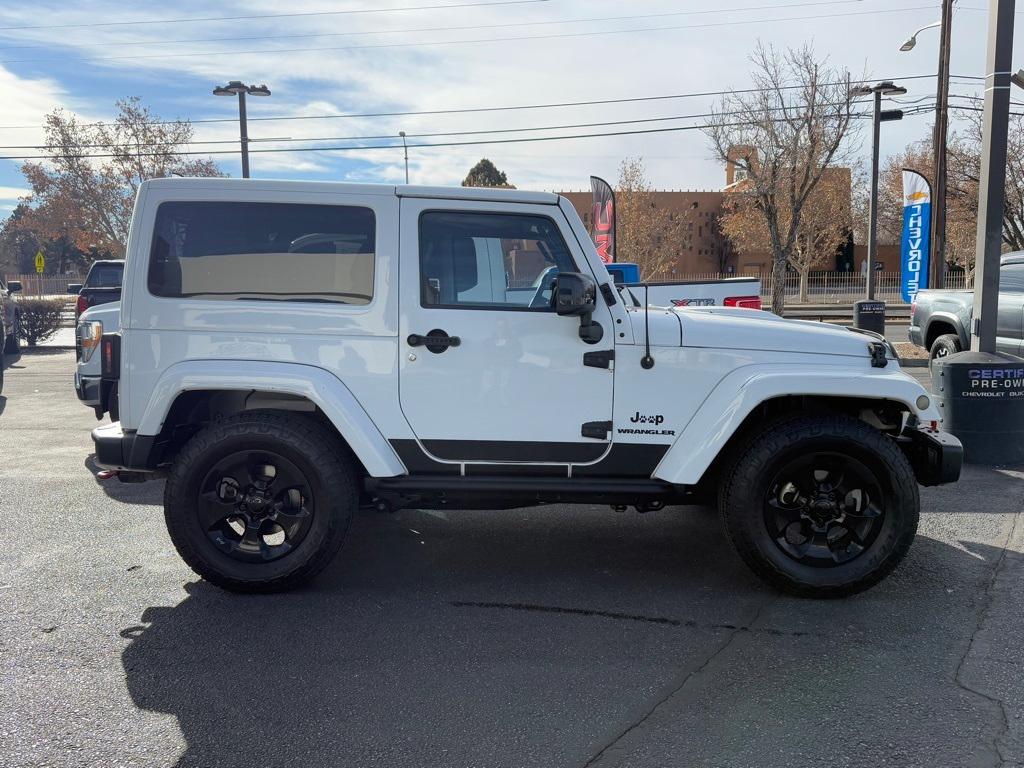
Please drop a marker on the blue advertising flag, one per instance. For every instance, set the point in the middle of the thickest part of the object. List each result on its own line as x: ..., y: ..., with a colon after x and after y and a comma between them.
x: 917, y: 225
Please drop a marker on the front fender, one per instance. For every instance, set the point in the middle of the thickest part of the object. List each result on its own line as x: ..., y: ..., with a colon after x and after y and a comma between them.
x: 315, y: 384
x: 739, y: 393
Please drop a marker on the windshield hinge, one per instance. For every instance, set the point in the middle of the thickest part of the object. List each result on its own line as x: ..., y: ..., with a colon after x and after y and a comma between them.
x: 599, y: 359
x: 878, y: 354
x: 598, y: 430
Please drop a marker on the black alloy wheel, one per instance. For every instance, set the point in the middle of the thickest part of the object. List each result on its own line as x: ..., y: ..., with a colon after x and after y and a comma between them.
x: 824, y: 509
x: 255, y: 506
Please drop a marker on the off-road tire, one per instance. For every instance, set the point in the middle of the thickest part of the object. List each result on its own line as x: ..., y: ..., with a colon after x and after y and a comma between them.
x: 945, y: 345
x: 745, y: 484
x: 302, y: 441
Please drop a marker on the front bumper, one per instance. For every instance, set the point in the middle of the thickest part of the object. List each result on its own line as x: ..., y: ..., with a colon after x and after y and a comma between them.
x: 88, y: 389
x: 117, y: 449
x: 935, y: 456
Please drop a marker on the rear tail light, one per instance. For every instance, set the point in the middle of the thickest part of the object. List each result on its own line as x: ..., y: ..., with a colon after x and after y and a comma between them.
x: 744, y: 302
x: 81, y: 305
x: 110, y: 355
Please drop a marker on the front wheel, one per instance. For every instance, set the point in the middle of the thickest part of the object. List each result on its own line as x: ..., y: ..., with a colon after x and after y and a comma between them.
x: 12, y: 344
x: 260, y: 502
x: 821, y: 506
x: 945, y: 345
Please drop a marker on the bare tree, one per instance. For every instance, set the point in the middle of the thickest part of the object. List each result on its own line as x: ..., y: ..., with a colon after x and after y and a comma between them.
x: 86, y: 189
x: 652, y: 237
x: 781, y: 136
x: 823, y: 228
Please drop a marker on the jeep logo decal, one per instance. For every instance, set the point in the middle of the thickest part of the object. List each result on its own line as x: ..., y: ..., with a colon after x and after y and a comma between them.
x: 640, y: 418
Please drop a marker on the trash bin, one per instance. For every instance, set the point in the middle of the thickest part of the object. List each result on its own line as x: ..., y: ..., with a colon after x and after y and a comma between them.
x: 869, y: 315
x: 981, y: 396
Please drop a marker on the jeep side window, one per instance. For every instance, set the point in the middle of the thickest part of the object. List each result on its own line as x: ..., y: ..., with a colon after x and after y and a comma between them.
x: 490, y: 260
x: 1011, y: 278
x: 266, y: 251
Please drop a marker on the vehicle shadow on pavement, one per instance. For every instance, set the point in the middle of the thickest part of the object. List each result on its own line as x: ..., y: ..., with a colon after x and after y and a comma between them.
x: 468, y: 639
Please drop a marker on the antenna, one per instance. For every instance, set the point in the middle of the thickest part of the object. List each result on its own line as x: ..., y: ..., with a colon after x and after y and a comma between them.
x: 647, y: 362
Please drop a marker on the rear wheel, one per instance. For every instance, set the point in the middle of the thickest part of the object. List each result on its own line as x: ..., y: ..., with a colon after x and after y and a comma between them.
x: 821, y: 506
x: 260, y: 502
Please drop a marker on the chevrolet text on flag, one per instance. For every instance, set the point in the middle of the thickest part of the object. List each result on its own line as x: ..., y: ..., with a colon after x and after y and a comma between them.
x: 917, y: 222
x: 602, y: 229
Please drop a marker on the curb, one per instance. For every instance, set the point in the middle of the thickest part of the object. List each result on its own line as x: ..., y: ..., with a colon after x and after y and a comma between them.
x: 912, y: 362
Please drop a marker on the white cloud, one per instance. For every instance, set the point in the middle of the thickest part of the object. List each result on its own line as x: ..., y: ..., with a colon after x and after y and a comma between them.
x: 454, y: 76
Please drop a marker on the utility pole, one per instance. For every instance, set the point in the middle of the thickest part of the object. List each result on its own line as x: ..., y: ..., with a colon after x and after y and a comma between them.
x: 991, y: 198
x: 937, y: 276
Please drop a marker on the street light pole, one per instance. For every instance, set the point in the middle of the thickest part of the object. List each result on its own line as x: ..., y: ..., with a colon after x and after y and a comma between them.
x: 240, y: 89
x: 243, y: 133
x: 405, y: 149
x: 991, y: 198
x: 876, y: 123
x: 888, y: 88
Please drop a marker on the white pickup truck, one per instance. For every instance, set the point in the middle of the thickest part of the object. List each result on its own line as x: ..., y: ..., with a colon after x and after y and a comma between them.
x: 291, y: 352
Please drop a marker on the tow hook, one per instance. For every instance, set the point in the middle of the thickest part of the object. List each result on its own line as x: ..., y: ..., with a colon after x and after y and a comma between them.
x: 106, y: 474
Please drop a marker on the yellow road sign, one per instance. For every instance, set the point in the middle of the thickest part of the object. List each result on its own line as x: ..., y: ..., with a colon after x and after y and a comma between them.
x: 40, y: 262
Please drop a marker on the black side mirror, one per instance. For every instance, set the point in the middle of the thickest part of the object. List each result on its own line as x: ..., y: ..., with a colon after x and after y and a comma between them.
x: 14, y: 286
x: 575, y: 295
x: 74, y: 287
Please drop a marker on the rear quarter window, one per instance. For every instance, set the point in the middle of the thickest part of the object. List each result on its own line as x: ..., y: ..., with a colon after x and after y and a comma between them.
x: 229, y: 251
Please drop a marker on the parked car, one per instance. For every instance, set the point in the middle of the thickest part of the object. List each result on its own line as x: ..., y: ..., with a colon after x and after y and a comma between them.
x: 102, y: 285
x: 940, y: 320
x: 10, y: 316
x: 91, y: 389
x: 290, y: 352
x: 10, y: 323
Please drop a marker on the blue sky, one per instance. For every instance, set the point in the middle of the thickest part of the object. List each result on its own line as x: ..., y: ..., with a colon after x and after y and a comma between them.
x: 399, y: 59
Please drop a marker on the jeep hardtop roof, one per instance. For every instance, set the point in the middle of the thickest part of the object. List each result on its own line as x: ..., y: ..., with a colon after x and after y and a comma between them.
x: 332, y: 187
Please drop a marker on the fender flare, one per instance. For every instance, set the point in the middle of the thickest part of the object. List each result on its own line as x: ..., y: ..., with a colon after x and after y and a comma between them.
x: 315, y: 384
x: 716, y: 420
x: 952, y: 319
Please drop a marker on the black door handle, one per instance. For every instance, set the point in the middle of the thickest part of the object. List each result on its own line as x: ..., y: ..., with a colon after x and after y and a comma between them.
x: 435, y: 341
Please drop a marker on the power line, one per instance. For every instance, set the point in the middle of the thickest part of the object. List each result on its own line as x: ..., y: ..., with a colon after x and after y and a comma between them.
x: 442, y: 134
x: 353, y: 11
x: 350, y: 148
x: 518, y: 38
x: 451, y: 28
x: 477, y: 110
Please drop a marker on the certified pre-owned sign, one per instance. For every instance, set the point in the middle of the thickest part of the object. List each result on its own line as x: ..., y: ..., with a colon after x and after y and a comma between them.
x: 994, y: 382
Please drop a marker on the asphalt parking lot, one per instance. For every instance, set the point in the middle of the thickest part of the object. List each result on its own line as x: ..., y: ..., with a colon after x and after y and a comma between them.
x: 557, y: 636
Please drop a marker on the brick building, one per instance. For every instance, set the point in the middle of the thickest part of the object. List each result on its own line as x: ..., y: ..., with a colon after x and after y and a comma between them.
x: 706, y: 249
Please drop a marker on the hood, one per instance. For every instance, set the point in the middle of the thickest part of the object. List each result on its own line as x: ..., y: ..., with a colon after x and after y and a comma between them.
x: 107, y: 314
x: 662, y: 325
x: 753, y: 329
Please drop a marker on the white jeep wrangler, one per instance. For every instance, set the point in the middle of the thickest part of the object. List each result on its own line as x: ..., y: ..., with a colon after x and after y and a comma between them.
x: 290, y: 352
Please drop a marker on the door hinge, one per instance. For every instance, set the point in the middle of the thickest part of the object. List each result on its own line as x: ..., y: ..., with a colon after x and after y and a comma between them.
x: 600, y: 359
x: 596, y: 429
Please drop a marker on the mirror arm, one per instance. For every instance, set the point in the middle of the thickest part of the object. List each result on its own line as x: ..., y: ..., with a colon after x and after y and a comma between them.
x: 591, y: 332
